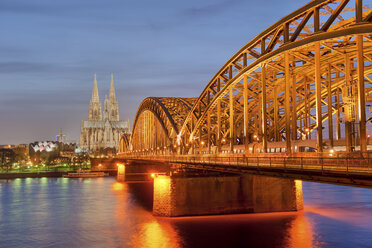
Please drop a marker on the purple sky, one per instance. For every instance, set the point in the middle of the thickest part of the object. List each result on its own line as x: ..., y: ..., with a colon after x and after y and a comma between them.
x: 50, y: 51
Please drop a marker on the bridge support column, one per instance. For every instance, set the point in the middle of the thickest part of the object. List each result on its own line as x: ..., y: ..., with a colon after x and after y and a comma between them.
x: 140, y: 171
x: 330, y: 107
x: 263, y: 108
x: 209, y: 132
x: 318, y: 99
x: 231, y: 118
x: 121, y: 173
x: 338, y: 118
x: 246, y: 112
x: 180, y: 196
x: 294, y: 104
x: 276, y: 117
x: 286, y: 104
x: 361, y: 94
x: 348, y: 106
x: 219, y: 126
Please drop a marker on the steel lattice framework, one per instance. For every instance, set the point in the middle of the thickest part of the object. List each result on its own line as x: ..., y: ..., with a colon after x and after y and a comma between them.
x: 305, y: 79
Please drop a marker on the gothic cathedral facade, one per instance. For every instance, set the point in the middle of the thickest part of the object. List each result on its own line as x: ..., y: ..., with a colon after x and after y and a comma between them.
x: 99, y: 132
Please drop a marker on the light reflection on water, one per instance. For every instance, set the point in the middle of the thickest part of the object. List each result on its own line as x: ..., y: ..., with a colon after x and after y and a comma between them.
x: 61, y: 212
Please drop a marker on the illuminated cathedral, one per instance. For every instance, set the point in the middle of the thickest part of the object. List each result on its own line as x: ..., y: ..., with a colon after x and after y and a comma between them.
x: 99, y: 132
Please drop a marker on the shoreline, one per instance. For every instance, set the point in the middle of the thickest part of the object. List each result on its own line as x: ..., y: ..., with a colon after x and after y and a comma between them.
x: 31, y: 175
x: 40, y: 174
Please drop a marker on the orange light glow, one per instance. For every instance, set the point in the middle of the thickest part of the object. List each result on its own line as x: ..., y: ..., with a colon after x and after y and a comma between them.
x: 301, y: 234
x: 156, y: 234
x: 117, y: 186
x: 162, y: 195
x: 153, y: 175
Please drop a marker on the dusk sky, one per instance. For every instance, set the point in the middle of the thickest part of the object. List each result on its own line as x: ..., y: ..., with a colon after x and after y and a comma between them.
x: 50, y: 51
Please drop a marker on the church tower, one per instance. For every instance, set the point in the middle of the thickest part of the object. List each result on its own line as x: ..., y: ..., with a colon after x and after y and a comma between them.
x: 95, y: 111
x: 113, y: 105
x: 106, y: 109
x: 102, y: 130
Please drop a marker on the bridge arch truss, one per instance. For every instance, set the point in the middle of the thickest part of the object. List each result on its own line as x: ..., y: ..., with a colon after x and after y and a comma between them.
x: 306, y: 80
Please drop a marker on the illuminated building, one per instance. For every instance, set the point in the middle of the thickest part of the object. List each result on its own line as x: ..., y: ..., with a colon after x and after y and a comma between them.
x: 102, y: 132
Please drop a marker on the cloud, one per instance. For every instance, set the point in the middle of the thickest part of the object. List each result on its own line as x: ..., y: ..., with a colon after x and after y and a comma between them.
x: 13, y: 51
x: 17, y: 67
x: 211, y: 9
x: 27, y: 8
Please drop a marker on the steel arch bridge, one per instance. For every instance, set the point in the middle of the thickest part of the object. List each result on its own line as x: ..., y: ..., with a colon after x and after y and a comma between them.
x: 303, y: 84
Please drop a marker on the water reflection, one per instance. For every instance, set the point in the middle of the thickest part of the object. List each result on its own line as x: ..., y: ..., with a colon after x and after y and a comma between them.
x: 301, y: 234
x: 155, y: 234
x: 105, y: 213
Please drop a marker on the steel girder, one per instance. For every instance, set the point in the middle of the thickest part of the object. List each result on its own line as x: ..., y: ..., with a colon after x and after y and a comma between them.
x: 283, y: 86
x: 282, y: 58
x: 158, y: 121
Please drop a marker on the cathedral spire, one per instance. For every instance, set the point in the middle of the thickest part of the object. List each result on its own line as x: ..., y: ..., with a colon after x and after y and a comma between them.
x: 113, y: 103
x: 112, y: 95
x: 95, y: 95
x: 95, y: 112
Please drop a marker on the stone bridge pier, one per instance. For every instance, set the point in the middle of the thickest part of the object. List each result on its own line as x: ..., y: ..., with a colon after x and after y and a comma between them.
x: 195, y: 192
x: 204, y: 195
x: 140, y: 170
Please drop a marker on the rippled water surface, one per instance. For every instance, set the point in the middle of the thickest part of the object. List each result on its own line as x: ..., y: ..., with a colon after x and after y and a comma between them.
x: 61, y: 212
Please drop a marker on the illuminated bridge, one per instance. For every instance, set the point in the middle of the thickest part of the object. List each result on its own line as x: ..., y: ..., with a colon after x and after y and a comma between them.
x: 293, y: 100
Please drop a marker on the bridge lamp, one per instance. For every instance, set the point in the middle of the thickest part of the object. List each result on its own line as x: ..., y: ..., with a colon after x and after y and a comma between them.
x: 223, y: 140
x: 307, y: 130
x: 202, y: 143
x: 179, y: 138
x: 331, y: 152
x: 175, y: 146
x: 100, y: 165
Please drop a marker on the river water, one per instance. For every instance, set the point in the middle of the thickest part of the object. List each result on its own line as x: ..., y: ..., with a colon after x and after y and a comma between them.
x: 100, y: 212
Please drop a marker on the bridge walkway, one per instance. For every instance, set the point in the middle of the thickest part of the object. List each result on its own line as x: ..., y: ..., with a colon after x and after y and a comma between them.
x: 345, y: 171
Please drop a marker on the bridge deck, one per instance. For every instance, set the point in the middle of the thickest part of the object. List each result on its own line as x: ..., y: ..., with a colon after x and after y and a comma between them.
x: 346, y: 171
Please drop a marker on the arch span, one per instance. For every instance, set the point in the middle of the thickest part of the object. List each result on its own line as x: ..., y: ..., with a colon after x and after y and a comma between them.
x: 157, y: 123
x: 305, y: 79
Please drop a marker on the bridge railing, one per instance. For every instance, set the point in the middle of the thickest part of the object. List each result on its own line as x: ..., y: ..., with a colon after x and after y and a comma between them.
x: 321, y: 164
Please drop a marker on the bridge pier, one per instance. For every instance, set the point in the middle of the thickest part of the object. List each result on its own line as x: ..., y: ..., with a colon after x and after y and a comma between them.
x: 228, y: 194
x: 140, y: 170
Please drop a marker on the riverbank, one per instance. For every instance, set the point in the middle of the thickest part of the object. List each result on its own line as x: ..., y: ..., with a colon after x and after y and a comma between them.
x: 32, y: 174
x: 41, y: 174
